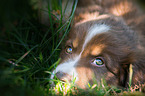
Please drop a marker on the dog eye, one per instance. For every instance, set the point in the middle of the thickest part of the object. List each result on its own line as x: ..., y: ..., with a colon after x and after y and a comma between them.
x: 69, y: 50
x: 98, y: 62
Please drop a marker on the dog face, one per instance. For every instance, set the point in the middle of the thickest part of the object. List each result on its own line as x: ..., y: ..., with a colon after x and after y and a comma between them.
x: 101, y: 48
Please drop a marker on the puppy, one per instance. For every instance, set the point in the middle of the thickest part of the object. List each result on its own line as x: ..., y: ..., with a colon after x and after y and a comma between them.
x: 107, y: 38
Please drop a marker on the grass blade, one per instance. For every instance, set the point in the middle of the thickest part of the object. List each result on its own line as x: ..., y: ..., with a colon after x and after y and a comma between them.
x: 22, y: 57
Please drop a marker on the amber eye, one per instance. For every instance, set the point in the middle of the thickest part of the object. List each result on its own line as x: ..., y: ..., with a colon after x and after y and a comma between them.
x: 69, y: 50
x: 98, y: 62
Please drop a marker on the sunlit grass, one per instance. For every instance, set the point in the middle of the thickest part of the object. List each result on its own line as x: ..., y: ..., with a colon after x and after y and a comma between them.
x: 64, y: 88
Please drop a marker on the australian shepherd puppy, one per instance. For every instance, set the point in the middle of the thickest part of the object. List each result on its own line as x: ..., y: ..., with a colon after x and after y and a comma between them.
x: 106, y: 41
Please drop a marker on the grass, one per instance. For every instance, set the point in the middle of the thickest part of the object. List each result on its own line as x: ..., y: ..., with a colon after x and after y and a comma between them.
x: 29, y: 51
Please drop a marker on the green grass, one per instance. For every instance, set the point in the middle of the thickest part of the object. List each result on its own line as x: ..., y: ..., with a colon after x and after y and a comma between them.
x: 29, y: 51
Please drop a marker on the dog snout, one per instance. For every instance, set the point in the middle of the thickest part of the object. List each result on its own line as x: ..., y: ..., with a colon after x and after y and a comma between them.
x: 63, y: 76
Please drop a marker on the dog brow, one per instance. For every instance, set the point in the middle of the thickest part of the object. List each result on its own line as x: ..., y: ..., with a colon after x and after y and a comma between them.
x: 93, y: 31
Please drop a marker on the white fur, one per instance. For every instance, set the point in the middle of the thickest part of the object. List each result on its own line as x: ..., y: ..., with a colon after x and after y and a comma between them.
x: 94, y: 30
x: 67, y: 67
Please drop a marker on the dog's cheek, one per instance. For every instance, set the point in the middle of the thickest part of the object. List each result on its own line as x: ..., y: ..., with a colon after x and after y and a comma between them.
x: 105, y: 74
x: 111, y: 79
x: 85, y: 75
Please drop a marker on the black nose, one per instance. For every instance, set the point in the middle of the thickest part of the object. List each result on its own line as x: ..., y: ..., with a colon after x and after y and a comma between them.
x: 63, y: 76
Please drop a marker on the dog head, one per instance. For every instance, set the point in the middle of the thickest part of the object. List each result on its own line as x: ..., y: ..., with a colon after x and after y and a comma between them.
x: 100, y: 48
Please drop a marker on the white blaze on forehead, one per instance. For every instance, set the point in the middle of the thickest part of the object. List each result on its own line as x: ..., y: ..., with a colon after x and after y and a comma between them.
x: 67, y: 67
x: 94, y: 30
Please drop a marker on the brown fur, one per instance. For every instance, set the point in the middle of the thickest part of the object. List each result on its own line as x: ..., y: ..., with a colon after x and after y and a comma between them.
x: 123, y: 45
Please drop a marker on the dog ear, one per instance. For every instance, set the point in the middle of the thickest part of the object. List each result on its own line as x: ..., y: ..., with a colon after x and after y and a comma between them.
x: 138, y: 65
x: 124, y: 71
x: 124, y: 75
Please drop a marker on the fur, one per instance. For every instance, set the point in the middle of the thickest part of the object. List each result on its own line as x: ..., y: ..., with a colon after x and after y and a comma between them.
x: 109, y: 29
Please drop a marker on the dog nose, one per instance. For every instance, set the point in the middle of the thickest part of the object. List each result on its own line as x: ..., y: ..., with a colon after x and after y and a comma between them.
x: 63, y: 76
